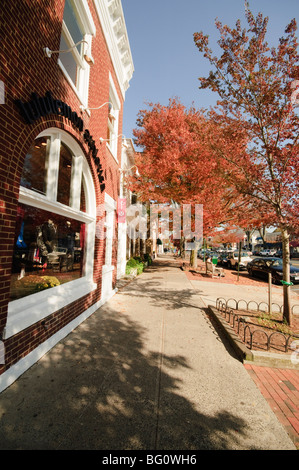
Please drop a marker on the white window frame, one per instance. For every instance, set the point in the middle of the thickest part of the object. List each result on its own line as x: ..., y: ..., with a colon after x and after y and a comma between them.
x: 33, y: 308
x: 84, y: 17
x: 114, y: 100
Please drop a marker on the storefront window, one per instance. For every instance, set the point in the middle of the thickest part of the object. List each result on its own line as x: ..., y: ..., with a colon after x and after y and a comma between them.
x: 34, y: 169
x: 48, y: 251
x: 64, y: 176
x: 54, y: 217
x: 82, y: 200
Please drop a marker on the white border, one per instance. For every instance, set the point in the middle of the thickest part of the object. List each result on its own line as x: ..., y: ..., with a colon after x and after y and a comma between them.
x: 113, y: 97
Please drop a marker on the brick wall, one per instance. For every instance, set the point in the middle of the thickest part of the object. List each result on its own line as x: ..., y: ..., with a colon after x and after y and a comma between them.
x: 28, y: 27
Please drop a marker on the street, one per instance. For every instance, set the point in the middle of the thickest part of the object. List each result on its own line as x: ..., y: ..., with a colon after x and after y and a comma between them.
x: 295, y: 288
x: 294, y: 262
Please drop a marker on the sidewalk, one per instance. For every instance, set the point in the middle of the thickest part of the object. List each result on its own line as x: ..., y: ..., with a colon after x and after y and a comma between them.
x: 147, y: 371
x: 279, y: 386
x: 232, y: 287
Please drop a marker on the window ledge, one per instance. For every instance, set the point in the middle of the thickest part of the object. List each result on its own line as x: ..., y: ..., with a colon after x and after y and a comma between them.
x: 24, y: 312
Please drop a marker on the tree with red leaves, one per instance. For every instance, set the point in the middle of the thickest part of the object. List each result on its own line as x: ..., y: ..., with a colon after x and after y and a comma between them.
x: 258, y: 97
x: 175, y: 165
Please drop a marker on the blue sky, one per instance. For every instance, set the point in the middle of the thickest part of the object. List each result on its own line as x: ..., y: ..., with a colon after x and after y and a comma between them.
x: 167, y: 63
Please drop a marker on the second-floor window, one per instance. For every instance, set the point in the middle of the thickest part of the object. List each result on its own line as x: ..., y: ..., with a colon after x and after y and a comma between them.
x: 77, y: 26
x: 113, y: 120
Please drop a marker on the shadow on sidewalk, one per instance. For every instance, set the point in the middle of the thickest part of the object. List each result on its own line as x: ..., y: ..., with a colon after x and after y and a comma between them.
x: 99, y: 388
x: 151, y: 286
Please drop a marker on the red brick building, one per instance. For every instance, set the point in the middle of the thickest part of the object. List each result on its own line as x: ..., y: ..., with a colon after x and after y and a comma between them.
x: 61, y: 116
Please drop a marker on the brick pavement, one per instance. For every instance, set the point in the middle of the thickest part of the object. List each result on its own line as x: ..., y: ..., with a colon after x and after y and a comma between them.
x: 280, y: 387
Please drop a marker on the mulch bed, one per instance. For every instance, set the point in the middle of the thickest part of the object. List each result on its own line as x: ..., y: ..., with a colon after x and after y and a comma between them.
x: 260, y: 325
x: 230, y: 276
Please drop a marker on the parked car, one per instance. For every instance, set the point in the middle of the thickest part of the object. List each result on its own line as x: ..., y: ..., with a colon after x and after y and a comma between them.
x: 278, y: 254
x: 268, y: 252
x: 233, y: 260
x: 260, y: 267
x: 205, y: 254
x: 256, y: 253
x: 223, y: 259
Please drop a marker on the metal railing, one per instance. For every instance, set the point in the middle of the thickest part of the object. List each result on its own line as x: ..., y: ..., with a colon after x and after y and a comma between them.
x: 248, y: 305
x: 236, y: 320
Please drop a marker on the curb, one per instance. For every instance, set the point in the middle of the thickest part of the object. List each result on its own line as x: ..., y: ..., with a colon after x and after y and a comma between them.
x: 248, y: 356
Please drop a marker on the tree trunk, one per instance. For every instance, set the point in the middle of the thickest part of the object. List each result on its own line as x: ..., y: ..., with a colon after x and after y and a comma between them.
x: 182, y: 247
x: 286, y: 276
x: 262, y: 231
x: 193, y: 255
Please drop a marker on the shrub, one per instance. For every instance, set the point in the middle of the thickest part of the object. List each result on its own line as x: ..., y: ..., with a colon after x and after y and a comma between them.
x: 46, y: 282
x: 134, y: 264
x: 148, y: 259
x: 32, y: 283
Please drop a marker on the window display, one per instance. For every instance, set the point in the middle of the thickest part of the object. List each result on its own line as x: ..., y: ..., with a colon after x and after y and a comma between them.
x: 52, y: 217
x: 53, y: 252
x: 48, y: 251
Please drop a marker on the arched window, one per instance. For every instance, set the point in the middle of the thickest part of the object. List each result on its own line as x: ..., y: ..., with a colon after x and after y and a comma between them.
x: 55, y: 229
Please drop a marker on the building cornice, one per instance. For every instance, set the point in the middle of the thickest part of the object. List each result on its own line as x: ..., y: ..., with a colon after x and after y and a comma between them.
x: 111, y: 17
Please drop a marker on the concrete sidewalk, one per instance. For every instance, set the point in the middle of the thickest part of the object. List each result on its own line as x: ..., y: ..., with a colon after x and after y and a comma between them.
x: 147, y: 371
x: 210, y: 291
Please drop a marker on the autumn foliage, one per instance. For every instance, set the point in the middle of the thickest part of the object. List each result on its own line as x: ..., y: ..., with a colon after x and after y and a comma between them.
x: 176, y: 165
x: 255, y: 84
x: 240, y: 159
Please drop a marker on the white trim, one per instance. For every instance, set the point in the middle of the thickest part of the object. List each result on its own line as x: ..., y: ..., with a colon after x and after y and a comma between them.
x: 85, y: 20
x: 24, y: 312
x: 113, y: 127
x: 53, y: 166
x: 114, y: 91
x: 108, y: 268
x: 109, y: 237
x: 15, y: 371
x: 85, y: 16
x: 110, y: 202
x: 76, y: 180
x: 31, y: 198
